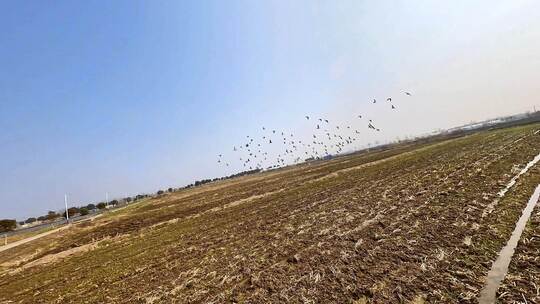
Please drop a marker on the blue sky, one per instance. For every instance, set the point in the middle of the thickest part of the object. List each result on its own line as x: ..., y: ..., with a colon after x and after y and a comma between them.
x: 128, y: 97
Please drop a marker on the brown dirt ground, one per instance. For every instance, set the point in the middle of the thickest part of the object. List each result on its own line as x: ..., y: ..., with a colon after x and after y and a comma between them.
x: 352, y: 230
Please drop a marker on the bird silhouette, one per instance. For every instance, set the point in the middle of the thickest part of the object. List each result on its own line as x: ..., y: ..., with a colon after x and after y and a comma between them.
x: 330, y: 141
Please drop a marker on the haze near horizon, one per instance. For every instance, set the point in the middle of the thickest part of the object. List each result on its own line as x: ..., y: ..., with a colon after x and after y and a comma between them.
x: 131, y: 97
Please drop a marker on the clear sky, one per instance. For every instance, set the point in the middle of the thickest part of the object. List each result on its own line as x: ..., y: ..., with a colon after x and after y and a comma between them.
x: 128, y: 97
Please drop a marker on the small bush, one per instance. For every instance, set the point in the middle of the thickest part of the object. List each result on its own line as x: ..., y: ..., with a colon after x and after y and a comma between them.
x: 84, y: 211
x: 7, y: 225
x: 31, y: 220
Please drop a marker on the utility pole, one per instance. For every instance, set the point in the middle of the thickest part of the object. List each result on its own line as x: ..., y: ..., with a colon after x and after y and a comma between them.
x: 67, y: 213
x: 106, y: 198
x: 5, y: 239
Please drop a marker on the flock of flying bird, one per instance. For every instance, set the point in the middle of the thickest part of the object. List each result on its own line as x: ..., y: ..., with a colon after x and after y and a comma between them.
x: 327, y: 139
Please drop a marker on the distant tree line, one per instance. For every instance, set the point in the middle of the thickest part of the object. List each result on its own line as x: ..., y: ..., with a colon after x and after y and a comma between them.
x: 51, y: 216
x: 206, y: 181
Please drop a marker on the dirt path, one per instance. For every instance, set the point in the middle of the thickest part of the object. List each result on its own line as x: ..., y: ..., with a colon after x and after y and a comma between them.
x: 30, y: 239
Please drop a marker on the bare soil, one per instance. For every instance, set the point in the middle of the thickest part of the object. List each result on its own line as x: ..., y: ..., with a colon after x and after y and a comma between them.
x: 398, y: 226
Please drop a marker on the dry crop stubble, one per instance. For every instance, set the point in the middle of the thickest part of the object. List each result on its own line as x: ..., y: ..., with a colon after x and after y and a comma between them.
x: 384, y: 227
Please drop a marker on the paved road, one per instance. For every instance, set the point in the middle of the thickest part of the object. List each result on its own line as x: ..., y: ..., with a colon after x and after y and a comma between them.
x: 63, y: 225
